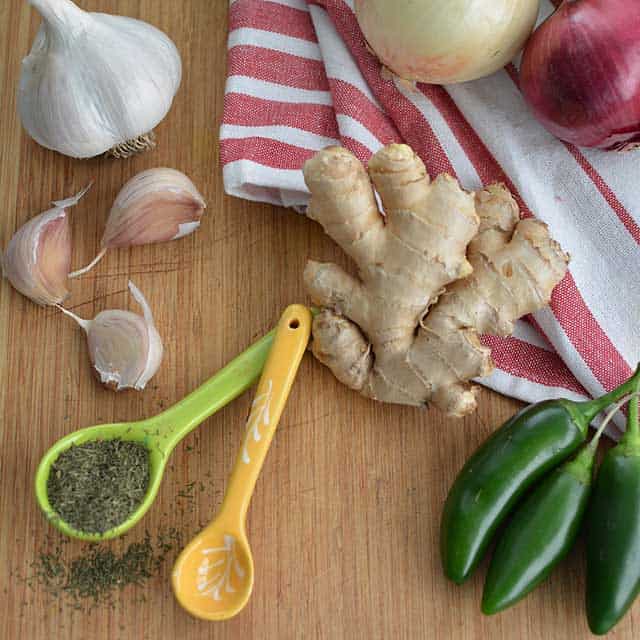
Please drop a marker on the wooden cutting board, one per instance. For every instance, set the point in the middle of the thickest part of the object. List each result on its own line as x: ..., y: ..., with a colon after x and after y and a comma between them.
x: 344, y: 524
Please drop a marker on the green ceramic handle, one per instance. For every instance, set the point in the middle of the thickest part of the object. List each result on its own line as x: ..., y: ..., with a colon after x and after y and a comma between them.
x: 226, y: 385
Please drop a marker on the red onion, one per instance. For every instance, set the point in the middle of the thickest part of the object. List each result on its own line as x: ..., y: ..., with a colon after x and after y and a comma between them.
x: 581, y: 73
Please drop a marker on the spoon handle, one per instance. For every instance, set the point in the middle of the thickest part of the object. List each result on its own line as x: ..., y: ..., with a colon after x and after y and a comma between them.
x: 226, y: 385
x: 289, y: 345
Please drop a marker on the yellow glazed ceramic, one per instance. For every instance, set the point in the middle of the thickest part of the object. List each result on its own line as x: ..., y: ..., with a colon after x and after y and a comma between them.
x: 213, y: 577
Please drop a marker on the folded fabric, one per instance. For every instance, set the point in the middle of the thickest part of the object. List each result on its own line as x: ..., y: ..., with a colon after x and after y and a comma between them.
x: 301, y: 78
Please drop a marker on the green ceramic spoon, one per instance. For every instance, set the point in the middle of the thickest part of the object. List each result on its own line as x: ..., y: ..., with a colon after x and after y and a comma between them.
x: 159, y: 434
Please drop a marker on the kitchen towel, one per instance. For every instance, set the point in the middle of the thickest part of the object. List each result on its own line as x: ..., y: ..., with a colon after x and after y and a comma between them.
x: 300, y: 78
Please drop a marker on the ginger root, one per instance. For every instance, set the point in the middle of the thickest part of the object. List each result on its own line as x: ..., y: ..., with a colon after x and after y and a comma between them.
x: 439, y: 268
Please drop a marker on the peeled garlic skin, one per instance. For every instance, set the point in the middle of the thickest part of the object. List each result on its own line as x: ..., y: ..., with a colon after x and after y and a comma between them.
x: 125, y: 350
x: 38, y: 258
x: 156, y: 205
x: 93, y: 81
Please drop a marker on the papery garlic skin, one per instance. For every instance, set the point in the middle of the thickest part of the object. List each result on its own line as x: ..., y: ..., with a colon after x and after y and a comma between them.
x: 95, y: 82
x: 156, y: 350
x: 38, y: 258
x: 156, y: 205
x: 125, y: 348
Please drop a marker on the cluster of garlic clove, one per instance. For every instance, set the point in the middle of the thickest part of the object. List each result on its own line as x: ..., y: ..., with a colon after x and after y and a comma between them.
x: 37, y: 260
x: 156, y: 205
x: 125, y: 348
x: 96, y: 83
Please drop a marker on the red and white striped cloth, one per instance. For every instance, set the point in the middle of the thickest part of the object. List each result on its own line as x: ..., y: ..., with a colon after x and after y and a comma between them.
x: 300, y: 78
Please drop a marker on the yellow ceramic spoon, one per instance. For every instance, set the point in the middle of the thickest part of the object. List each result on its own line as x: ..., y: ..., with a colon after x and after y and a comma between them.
x: 213, y: 577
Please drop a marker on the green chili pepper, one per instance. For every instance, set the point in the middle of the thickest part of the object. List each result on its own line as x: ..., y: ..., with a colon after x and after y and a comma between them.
x: 533, y: 442
x: 542, y: 530
x: 613, y: 532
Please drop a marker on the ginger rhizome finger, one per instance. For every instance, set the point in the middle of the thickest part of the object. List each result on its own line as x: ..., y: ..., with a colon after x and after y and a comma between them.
x: 440, y: 267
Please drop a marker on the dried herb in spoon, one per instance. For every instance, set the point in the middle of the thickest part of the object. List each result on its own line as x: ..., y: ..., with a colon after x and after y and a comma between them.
x: 96, y: 486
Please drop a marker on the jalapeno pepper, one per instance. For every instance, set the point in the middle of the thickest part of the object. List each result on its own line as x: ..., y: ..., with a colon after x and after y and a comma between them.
x: 491, y: 482
x: 542, y: 530
x: 613, y: 532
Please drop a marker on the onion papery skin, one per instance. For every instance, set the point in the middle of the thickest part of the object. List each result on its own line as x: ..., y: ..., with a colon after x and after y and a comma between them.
x: 446, y: 41
x: 580, y: 73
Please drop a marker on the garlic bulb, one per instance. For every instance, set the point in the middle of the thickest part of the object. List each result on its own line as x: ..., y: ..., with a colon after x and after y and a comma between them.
x: 94, y: 82
x: 125, y: 348
x: 38, y: 258
x: 157, y: 205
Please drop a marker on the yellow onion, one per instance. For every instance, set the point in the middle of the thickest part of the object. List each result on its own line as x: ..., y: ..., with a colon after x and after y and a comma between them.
x: 446, y: 41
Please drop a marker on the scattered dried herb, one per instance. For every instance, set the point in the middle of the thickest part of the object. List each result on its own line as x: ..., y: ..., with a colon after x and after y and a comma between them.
x: 91, y: 577
x: 94, y: 577
x: 96, y: 486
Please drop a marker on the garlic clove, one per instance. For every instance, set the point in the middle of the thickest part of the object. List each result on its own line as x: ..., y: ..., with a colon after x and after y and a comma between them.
x: 125, y: 348
x: 95, y: 83
x: 156, y: 205
x: 118, y: 343
x: 38, y: 258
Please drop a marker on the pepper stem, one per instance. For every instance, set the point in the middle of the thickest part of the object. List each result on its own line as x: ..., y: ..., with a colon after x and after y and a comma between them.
x: 592, y: 408
x: 632, y: 434
x: 596, y: 438
x: 582, y: 465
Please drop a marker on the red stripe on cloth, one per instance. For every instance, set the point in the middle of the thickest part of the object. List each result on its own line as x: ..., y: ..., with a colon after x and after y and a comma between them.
x: 273, y: 17
x: 416, y: 131
x: 357, y: 148
x: 246, y: 110
x: 265, y: 151
x: 527, y: 361
x: 490, y: 171
x: 350, y: 101
x: 567, y: 303
x: 610, y: 369
x: 277, y: 67
x: 410, y: 122
x: 607, y: 193
x: 587, y: 336
x: 487, y: 167
x: 534, y: 323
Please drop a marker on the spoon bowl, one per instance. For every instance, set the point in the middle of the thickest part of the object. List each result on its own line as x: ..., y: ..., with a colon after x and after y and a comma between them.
x: 219, y: 565
x: 159, y: 435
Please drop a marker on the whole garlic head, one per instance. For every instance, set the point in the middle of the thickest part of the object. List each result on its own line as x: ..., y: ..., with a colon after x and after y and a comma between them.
x: 95, y: 82
x: 38, y: 258
x: 125, y: 348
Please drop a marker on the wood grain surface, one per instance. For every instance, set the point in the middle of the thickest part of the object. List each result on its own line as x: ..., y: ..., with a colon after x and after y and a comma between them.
x: 344, y: 523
